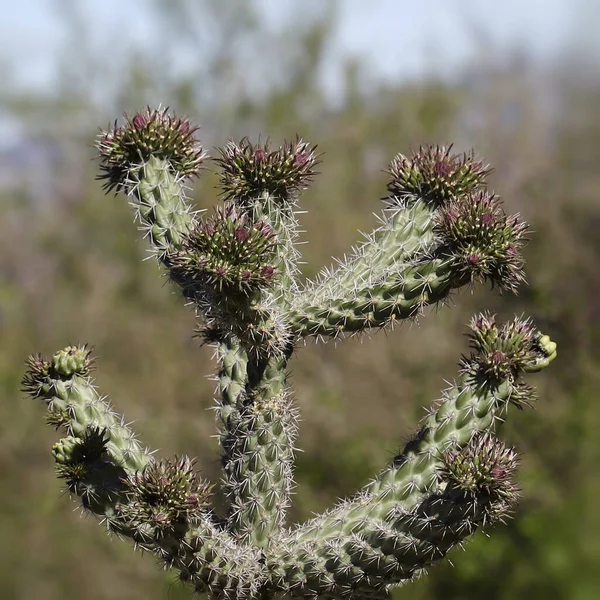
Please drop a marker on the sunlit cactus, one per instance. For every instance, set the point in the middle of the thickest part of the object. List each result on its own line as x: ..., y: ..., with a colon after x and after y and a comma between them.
x: 440, y: 230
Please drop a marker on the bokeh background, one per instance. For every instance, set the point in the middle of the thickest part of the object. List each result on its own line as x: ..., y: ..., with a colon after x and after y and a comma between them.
x: 517, y: 80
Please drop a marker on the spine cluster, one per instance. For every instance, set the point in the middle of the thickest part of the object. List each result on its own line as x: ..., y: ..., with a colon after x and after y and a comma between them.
x: 440, y: 230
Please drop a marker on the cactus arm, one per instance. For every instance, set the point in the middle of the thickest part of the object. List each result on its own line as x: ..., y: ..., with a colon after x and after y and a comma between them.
x: 406, y: 228
x: 281, y: 217
x: 473, y: 239
x: 73, y: 404
x: 400, y: 296
x: 160, y: 505
x: 450, y: 479
x: 149, y: 158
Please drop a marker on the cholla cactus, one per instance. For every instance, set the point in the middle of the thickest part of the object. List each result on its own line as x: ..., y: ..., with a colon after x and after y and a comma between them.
x: 440, y: 230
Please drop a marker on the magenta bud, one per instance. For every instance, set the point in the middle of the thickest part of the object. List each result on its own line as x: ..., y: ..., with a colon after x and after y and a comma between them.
x: 139, y: 121
x: 498, y: 357
x: 192, y: 501
x: 260, y: 155
x: 268, y: 271
x: 488, y: 219
x: 442, y: 168
x: 302, y: 158
x: 242, y: 234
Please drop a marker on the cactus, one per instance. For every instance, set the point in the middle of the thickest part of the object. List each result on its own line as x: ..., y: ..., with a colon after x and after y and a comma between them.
x: 440, y: 230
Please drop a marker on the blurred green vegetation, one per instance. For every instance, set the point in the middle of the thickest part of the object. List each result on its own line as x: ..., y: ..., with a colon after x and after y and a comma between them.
x: 72, y: 269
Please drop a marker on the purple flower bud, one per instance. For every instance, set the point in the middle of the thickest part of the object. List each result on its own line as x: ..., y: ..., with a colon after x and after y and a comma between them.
x: 473, y: 260
x: 498, y: 357
x: 139, y: 121
x: 268, y: 271
x: 301, y: 158
x: 488, y: 218
x: 242, y: 234
x: 260, y: 155
x: 442, y: 168
x: 192, y: 501
x: 499, y: 473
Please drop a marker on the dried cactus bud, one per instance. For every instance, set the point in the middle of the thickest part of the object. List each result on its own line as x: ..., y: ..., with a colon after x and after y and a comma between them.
x: 228, y: 251
x: 436, y: 175
x: 166, y: 493
x: 482, y: 472
x: 482, y: 240
x: 124, y: 149
x: 250, y: 170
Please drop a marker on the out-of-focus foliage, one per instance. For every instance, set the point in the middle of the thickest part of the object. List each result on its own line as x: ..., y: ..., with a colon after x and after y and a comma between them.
x: 71, y: 270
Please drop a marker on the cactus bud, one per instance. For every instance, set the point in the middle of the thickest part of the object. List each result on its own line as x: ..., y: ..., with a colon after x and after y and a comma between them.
x: 249, y: 170
x: 73, y: 360
x: 482, y: 472
x: 166, y: 493
x: 483, y: 242
x: 504, y: 353
x: 88, y: 448
x: 436, y: 175
x: 123, y: 150
x: 226, y: 252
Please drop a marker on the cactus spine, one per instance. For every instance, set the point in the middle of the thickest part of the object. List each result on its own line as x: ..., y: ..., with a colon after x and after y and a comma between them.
x: 440, y: 230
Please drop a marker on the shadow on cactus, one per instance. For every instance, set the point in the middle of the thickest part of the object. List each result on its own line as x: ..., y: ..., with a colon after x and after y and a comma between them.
x: 440, y: 230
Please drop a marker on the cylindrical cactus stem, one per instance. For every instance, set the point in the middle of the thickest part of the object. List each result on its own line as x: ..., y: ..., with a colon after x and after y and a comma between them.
x: 149, y: 157
x: 406, y: 229
x: 73, y: 404
x: 218, y: 565
x: 446, y: 482
x: 159, y: 200
x: 473, y: 240
x: 257, y: 438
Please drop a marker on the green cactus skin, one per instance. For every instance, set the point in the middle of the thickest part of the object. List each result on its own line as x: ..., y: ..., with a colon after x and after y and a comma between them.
x: 440, y: 230
x: 257, y: 437
x: 73, y: 405
x: 161, y: 206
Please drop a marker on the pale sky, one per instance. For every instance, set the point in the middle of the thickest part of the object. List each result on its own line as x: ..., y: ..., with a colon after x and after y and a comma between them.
x: 398, y: 38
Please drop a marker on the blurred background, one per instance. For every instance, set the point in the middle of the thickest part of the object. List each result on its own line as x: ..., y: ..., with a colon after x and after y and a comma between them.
x: 517, y: 80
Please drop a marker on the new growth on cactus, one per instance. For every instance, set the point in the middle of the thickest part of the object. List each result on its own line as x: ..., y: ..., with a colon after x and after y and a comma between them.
x: 440, y: 230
